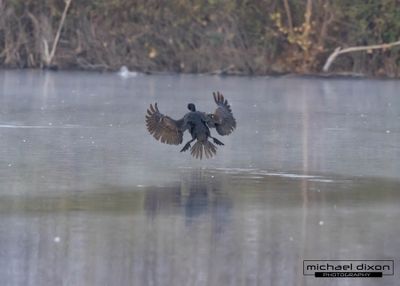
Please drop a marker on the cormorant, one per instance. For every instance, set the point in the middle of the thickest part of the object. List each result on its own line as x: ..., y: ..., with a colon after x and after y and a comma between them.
x: 170, y: 131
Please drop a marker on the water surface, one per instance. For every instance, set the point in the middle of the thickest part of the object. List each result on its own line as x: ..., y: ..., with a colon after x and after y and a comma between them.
x: 88, y: 197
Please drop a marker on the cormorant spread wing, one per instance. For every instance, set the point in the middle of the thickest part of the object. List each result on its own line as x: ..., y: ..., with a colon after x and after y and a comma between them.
x: 222, y: 119
x: 163, y: 127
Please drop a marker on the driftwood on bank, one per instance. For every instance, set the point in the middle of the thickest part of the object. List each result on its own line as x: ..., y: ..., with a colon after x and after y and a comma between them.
x: 338, y: 51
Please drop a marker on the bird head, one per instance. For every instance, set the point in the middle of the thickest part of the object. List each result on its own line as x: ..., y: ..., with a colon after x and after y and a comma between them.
x: 191, y: 107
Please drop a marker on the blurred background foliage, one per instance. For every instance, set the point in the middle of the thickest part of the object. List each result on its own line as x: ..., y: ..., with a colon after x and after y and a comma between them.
x: 202, y: 36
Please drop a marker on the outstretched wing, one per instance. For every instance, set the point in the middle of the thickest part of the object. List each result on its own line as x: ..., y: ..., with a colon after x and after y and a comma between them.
x: 163, y: 127
x: 222, y: 119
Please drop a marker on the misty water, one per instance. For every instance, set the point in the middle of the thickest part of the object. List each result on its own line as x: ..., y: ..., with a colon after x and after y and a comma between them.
x: 88, y: 197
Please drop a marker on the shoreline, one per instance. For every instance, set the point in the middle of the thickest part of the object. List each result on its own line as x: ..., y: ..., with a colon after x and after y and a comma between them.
x: 322, y: 75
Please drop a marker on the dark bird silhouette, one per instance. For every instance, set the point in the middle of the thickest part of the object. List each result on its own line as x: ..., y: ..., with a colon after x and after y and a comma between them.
x: 170, y: 131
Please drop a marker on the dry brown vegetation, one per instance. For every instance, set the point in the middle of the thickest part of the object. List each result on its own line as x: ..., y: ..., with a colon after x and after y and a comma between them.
x: 214, y: 36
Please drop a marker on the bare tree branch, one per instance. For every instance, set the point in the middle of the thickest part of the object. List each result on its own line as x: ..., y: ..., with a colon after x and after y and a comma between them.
x: 49, y: 58
x: 288, y: 15
x: 307, y: 19
x: 328, y: 19
x: 338, y: 51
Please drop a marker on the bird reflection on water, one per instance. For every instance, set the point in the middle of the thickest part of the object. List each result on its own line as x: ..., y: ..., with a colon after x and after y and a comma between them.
x: 197, y: 194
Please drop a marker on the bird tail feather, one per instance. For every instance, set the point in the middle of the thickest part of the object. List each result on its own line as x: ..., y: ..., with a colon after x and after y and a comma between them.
x: 206, y: 147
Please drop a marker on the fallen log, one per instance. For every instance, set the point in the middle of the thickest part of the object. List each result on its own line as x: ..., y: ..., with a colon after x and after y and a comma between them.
x: 338, y: 51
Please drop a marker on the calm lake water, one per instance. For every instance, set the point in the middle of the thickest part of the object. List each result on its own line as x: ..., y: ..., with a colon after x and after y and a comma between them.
x: 88, y: 197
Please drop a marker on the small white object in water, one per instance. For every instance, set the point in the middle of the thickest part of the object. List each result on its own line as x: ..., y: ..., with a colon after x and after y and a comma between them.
x: 387, y: 131
x: 256, y: 131
x: 125, y: 73
x: 321, y: 222
x: 57, y: 239
x: 291, y: 238
x: 50, y: 123
x: 212, y: 176
x: 9, y: 165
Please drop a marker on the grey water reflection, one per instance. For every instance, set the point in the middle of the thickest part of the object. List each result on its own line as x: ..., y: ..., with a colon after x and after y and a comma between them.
x: 87, y: 197
x: 209, y: 228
